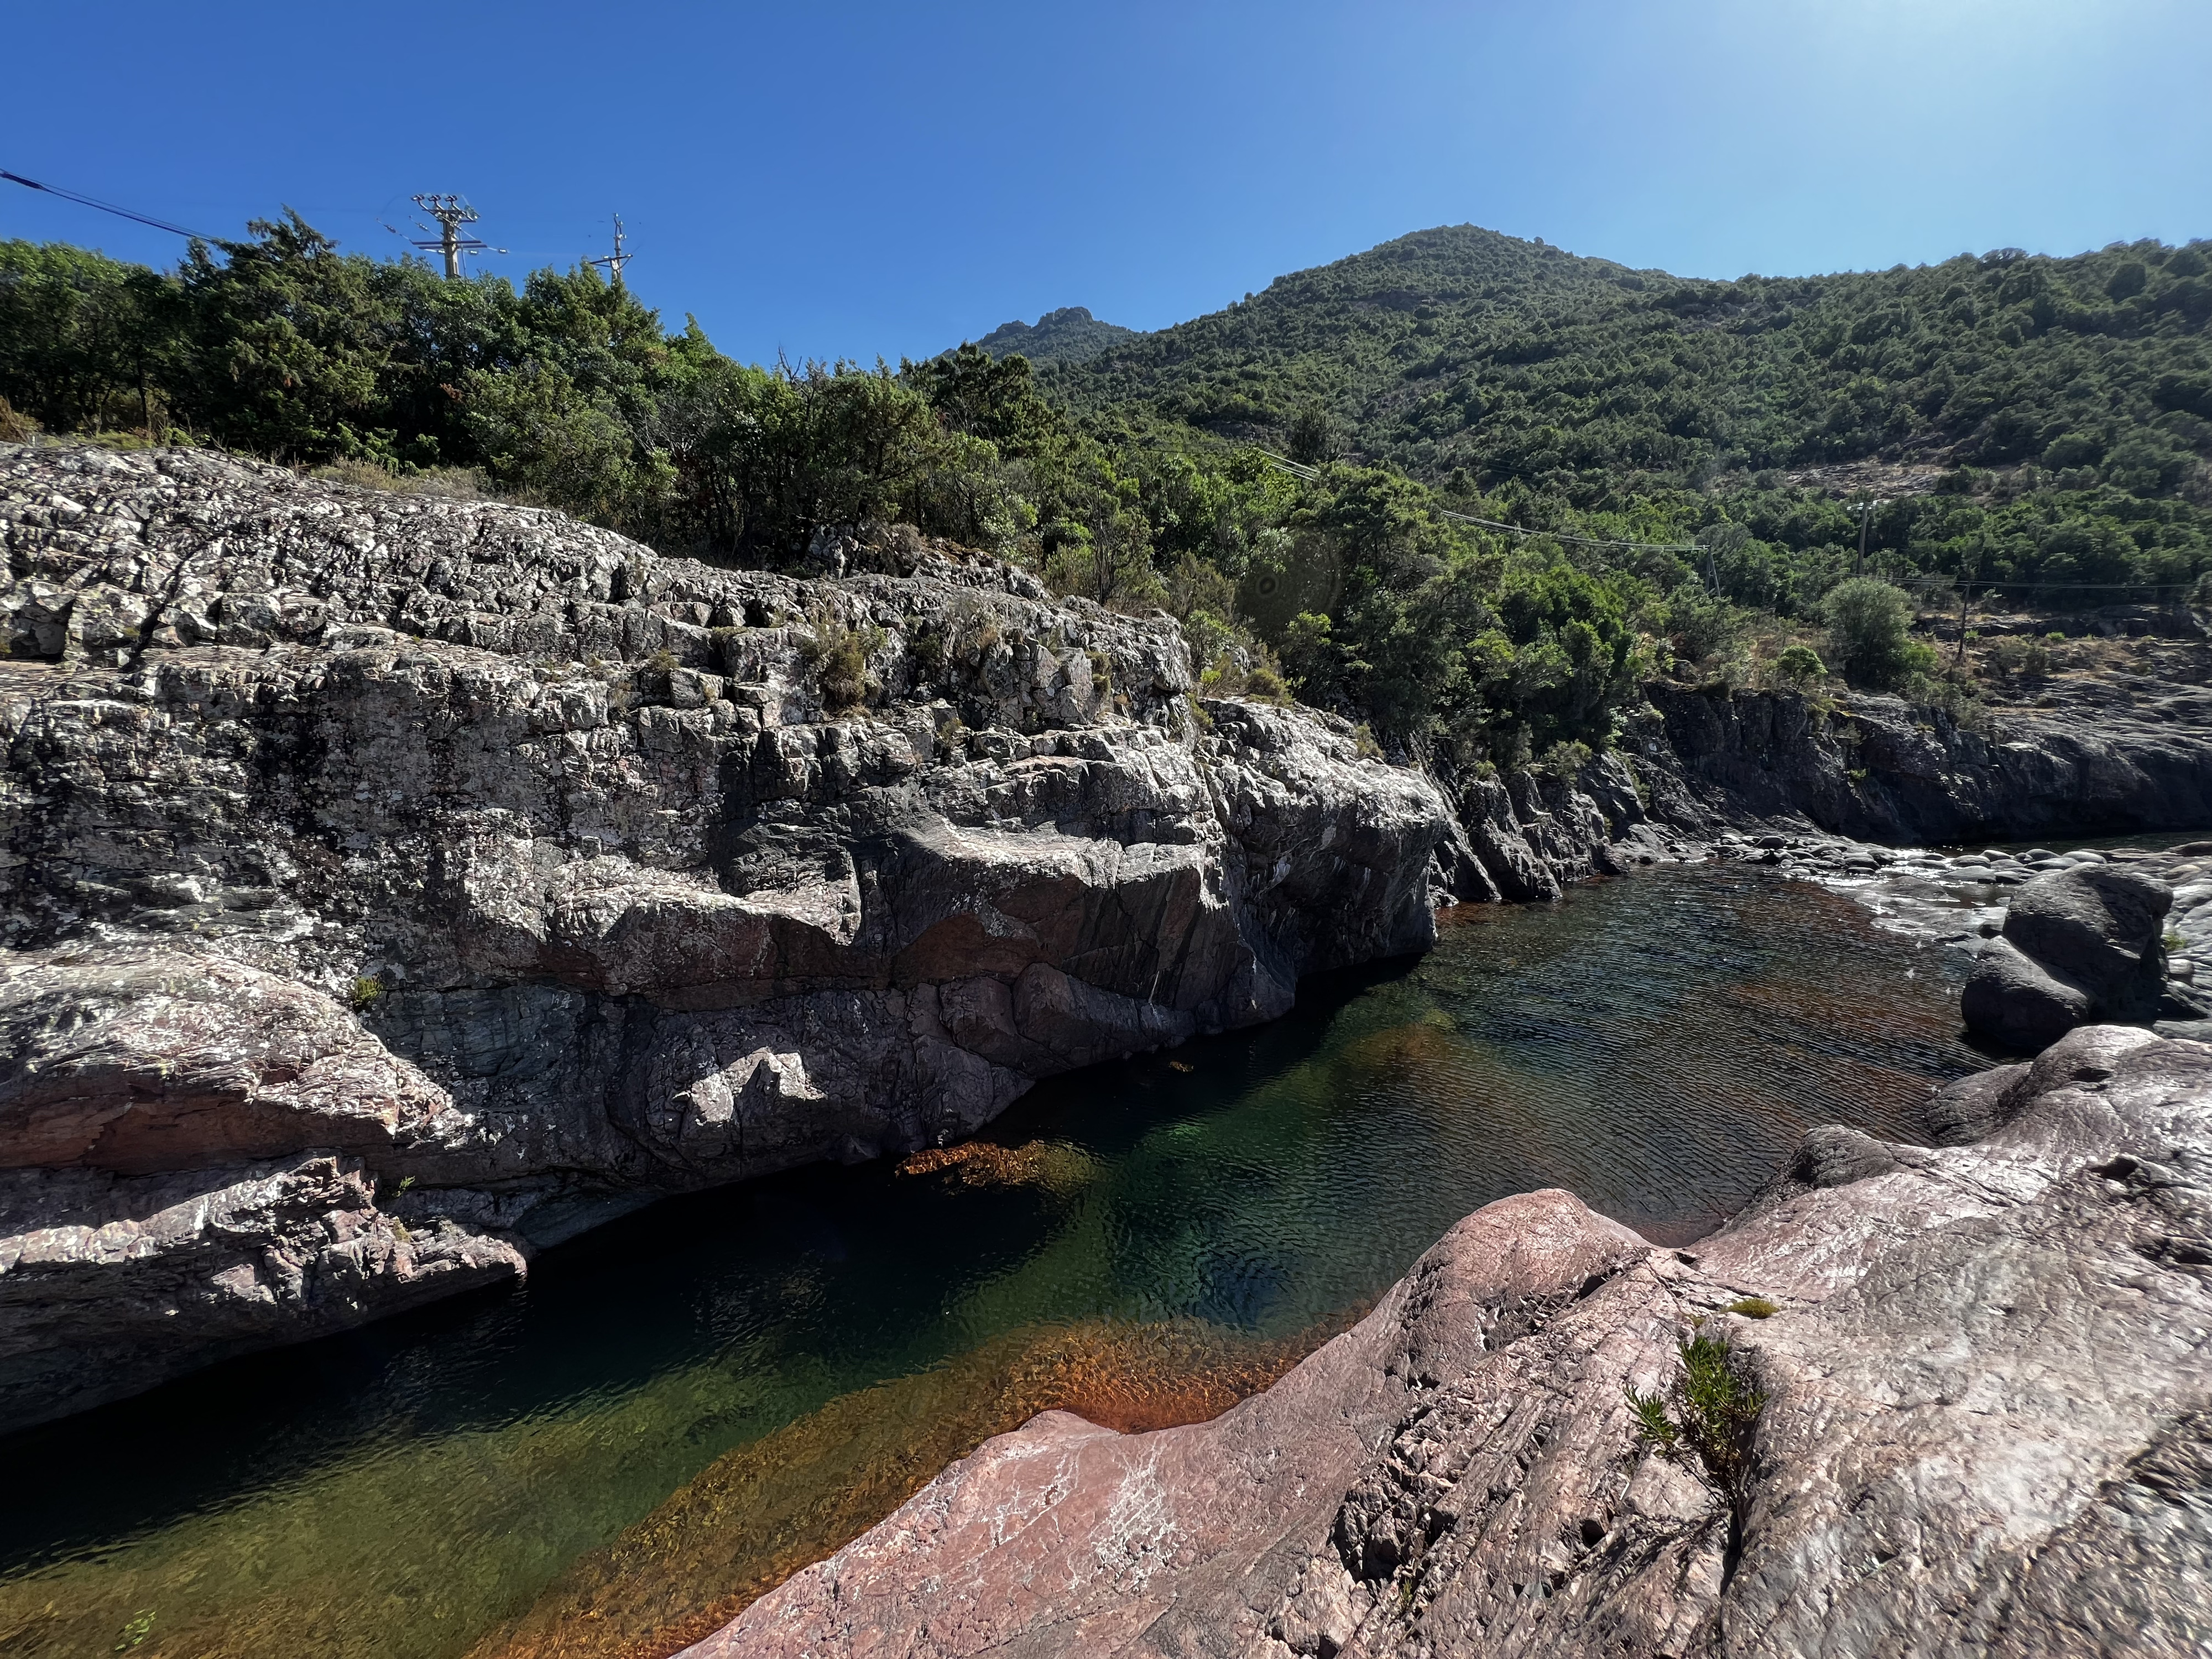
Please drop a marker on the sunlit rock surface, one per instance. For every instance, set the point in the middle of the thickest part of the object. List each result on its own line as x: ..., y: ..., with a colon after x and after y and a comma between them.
x: 1988, y: 1431
x: 473, y: 874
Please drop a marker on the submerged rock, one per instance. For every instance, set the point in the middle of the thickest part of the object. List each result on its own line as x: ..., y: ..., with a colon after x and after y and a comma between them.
x: 475, y: 874
x: 1981, y: 1425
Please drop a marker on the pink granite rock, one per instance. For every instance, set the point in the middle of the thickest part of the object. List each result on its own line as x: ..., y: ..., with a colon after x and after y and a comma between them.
x: 1988, y: 1431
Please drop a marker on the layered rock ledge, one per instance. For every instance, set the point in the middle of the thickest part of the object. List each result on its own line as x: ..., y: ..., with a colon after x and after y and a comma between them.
x: 392, y: 884
x: 1987, y: 1431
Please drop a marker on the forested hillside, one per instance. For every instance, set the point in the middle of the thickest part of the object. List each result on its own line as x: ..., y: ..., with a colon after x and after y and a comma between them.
x: 1460, y: 349
x: 1678, y: 456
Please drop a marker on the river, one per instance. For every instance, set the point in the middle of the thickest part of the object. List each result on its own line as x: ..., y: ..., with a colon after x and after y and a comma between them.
x: 677, y: 1410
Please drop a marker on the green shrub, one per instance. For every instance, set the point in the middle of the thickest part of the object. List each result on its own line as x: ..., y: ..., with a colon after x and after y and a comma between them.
x: 1869, y: 630
x: 364, y: 992
x: 1564, y: 759
x: 2018, y: 658
x: 1715, y: 1407
x: 1700, y: 628
x: 1800, y: 665
x: 1754, y: 1307
x: 836, y: 658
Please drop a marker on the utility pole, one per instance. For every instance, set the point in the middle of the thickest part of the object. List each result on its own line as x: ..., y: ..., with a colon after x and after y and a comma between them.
x: 1865, y: 508
x: 614, y: 262
x: 452, y: 213
x: 1969, y: 571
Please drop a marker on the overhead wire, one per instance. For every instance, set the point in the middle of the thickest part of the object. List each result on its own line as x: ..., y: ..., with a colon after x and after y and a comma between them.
x: 103, y: 206
x: 1312, y: 474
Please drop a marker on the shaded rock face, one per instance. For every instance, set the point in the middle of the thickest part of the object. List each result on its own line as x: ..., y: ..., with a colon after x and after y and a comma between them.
x: 2079, y: 945
x: 1988, y: 1430
x: 1700, y: 765
x: 1881, y: 770
x: 474, y: 874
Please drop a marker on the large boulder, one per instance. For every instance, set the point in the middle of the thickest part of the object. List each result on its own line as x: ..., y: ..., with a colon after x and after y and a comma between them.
x: 2013, y: 1001
x: 2079, y: 944
x: 495, y: 874
x: 1981, y: 1426
x: 2098, y: 925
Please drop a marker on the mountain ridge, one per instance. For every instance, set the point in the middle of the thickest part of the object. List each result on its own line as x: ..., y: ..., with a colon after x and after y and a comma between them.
x: 1069, y: 334
x: 1457, y: 347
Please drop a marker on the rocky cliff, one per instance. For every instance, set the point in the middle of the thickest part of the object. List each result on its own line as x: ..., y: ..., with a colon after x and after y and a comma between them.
x: 2103, y: 753
x: 1950, y: 1400
x: 392, y: 884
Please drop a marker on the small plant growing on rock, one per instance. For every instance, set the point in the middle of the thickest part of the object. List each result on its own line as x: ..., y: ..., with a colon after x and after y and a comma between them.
x: 1754, y: 1307
x: 927, y: 650
x: 1264, y: 683
x: 1714, y: 1405
x: 1564, y: 759
x: 1653, y: 1425
x: 837, y: 657
x: 364, y: 992
x: 2016, y: 658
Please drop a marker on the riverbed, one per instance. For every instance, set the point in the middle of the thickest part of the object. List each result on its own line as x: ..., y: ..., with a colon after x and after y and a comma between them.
x: 677, y: 1411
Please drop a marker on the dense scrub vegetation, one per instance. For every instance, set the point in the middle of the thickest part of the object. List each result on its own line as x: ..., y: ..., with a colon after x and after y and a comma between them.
x: 2042, y: 421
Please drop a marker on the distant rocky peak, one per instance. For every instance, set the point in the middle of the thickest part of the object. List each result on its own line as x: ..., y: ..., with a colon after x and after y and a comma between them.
x: 1070, y: 334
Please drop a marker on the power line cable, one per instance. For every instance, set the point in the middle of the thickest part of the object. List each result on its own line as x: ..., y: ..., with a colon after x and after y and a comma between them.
x: 2037, y: 587
x: 104, y: 207
x: 1312, y: 474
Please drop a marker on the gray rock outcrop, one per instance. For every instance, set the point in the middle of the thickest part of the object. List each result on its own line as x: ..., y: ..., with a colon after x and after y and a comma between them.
x: 1707, y: 769
x: 2083, y: 944
x: 391, y: 885
x: 1877, y: 769
x: 1985, y: 1430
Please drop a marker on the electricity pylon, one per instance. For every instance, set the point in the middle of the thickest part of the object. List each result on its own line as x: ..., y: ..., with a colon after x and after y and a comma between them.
x: 614, y: 262
x: 452, y: 213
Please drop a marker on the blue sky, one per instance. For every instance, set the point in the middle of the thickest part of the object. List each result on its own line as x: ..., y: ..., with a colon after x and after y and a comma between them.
x: 862, y: 178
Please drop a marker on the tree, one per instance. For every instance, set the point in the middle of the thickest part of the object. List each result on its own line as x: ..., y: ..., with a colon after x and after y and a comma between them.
x: 1869, y: 623
x: 285, y: 345
x: 86, y: 341
x: 1313, y: 439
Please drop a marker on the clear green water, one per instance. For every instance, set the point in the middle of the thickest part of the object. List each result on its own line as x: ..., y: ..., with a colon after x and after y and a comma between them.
x: 1657, y: 1044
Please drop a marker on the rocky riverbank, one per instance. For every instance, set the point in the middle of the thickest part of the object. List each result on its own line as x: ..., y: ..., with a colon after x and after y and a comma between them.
x: 1963, y: 1408
x: 394, y: 884
x: 391, y: 885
